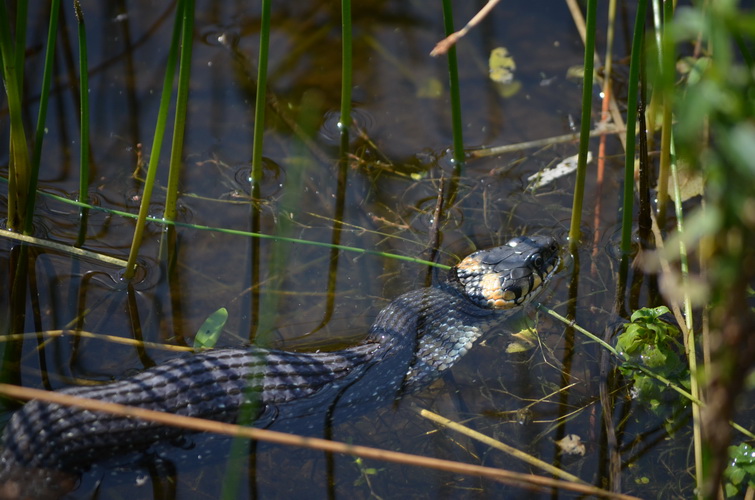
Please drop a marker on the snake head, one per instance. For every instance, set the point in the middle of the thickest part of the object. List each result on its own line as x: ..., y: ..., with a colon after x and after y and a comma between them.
x: 508, y: 276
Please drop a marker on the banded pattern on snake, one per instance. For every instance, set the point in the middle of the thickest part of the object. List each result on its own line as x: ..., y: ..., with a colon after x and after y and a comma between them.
x: 412, y: 342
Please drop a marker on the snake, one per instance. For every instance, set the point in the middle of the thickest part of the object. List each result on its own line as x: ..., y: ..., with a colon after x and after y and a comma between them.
x: 412, y: 342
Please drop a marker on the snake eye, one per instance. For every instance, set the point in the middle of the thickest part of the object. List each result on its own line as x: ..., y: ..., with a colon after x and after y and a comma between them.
x: 538, y: 262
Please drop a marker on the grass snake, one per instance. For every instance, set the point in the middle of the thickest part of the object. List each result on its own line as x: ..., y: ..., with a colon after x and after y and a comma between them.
x: 412, y: 342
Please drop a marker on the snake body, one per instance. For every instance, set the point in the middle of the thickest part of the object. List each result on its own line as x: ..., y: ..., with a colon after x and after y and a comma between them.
x: 412, y: 342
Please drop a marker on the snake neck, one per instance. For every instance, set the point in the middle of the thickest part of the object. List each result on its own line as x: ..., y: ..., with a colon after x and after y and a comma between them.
x: 432, y: 328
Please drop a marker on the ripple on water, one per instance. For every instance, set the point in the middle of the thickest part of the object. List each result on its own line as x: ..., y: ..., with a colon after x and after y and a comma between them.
x: 273, y: 178
x: 330, y: 130
x: 220, y: 35
x: 424, y: 217
x: 146, y: 277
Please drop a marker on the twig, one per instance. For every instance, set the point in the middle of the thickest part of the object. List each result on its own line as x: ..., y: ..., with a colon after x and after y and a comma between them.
x: 448, y: 42
x: 498, y: 445
x: 201, y: 425
x: 90, y: 335
x: 538, y: 143
x: 80, y: 252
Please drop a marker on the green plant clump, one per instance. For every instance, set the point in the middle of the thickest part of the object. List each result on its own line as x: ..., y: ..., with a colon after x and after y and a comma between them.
x: 740, y: 473
x: 650, y: 342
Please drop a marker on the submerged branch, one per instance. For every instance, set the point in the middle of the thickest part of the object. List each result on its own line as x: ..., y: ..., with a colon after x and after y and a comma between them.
x: 512, y: 148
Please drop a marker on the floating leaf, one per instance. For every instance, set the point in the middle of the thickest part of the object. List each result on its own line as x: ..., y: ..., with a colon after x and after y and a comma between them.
x: 572, y: 444
x: 502, y: 65
x: 525, y: 337
x: 432, y: 88
x: 208, y: 333
x: 575, y: 72
x: 506, y: 90
x: 522, y: 341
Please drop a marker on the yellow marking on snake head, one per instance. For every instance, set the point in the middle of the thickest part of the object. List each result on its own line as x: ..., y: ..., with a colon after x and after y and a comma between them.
x: 490, y: 286
x: 496, y: 297
x: 501, y: 304
x: 536, y: 281
x: 469, y: 264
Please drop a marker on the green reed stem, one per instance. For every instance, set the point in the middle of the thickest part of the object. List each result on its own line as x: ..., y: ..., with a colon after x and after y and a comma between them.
x: 20, y: 43
x: 186, y: 10
x: 346, y: 64
x: 584, y: 133
x: 44, y: 99
x: 84, y: 118
x: 233, y: 474
x: 162, y: 118
x: 668, y: 167
x: 453, y: 79
x: 18, y: 167
x: 634, y: 78
x: 260, y: 100
x: 690, y: 344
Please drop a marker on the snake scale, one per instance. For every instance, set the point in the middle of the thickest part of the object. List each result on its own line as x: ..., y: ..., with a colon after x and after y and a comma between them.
x: 412, y: 342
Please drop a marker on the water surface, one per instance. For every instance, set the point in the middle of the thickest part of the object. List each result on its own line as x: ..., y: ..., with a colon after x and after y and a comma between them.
x: 299, y: 296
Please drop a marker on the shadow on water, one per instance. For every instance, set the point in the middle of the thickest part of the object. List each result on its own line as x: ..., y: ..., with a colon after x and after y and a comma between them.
x: 382, y: 194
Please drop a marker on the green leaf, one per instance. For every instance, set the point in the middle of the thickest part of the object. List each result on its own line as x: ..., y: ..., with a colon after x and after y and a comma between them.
x: 731, y: 490
x: 208, y: 333
x: 524, y: 340
x: 649, y: 341
x: 737, y: 476
x: 649, y: 314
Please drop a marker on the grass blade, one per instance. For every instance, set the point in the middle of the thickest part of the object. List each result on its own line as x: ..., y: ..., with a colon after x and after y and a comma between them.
x: 44, y: 99
x: 453, y: 78
x: 162, y: 118
x: 260, y: 100
x: 584, y: 135
x: 346, y: 64
x: 182, y: 98
x: 84, y: 132
x: 18, y: 168
x: 634, y: 78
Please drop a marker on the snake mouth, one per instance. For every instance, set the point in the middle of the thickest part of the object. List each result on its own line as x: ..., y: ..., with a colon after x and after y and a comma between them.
x: 511, y: 275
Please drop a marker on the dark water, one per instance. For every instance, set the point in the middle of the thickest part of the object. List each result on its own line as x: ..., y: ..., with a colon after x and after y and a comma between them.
x: 284, y: 293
